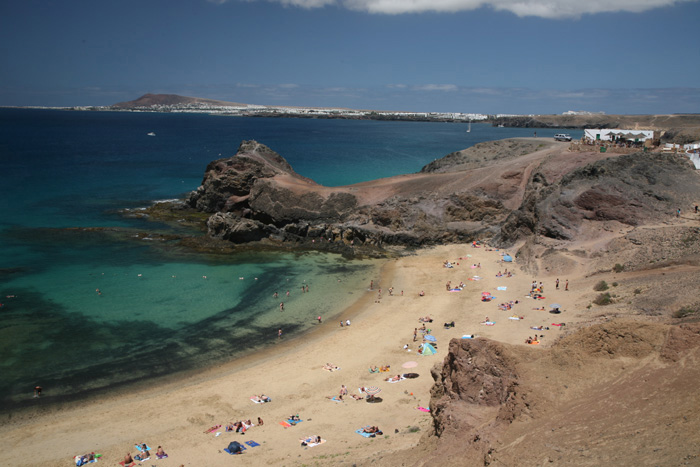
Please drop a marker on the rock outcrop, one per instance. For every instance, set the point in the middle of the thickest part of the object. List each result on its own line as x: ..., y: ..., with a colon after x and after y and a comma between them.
x: 632, y: 189
x: 505, y: 190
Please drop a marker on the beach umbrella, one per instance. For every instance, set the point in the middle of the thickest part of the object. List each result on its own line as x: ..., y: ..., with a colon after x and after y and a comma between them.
x: 430, y: 338
x: 372, y: 390
x: 507, y: 258
x: 555, y: 305
x: 410, y: 365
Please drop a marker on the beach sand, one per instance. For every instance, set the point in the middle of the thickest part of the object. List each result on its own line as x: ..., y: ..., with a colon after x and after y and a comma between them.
x: 176, y: 414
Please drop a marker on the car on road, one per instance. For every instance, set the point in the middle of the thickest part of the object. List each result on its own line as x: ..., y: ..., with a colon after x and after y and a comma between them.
x: 562, y: 137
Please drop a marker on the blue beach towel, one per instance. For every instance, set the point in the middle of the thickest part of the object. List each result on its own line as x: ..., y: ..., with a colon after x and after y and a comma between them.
x: 362, y: 433
x: 295, y: 422
x: 138, y: 446
x: 252, y: 444
x: 501, y: 287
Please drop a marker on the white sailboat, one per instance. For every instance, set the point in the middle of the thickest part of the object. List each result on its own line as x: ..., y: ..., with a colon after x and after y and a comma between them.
x: 469, y: 128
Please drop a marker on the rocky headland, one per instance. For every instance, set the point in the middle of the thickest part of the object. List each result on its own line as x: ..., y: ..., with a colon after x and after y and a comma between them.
x: 507, y: 191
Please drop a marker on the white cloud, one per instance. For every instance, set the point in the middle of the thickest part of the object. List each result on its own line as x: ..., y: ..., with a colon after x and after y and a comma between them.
x: 436, y: 87
x: 552, y: 9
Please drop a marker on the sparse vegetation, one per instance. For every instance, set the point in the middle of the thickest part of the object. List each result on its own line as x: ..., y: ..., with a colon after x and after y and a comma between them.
x: 618, y: 268
x: 637, y: 291
x: 686, y: 311
x: 614, y: 284
x: 600, y: 286
x: 603, y: 299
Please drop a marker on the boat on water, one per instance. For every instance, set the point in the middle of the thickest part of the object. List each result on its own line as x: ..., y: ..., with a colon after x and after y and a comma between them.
x: 469, y: 128
x: 151, y: 134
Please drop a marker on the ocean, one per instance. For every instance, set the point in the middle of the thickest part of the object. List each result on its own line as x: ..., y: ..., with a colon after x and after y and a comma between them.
x: 86, y: 306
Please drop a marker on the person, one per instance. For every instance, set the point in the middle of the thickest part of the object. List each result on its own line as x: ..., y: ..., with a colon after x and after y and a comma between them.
x: 160, y: 454
x: 281, y: 306
x: 279, y: 334
x: 343, y: 390
x: 696, y: 209
x: 341, y: 323
x: 566, y: 286
x: 557, y: 284
x: 260, y: 422
x: 371, y: 285
x: 144, y: 455
x: 405, y: 347
x: 37, y: 391
x: 347, y: 322
x: 678, y: 212
x: 415, y: 334
x: 394, y: 378
x: 319, y: 319
x: 128, y: 459
x: 373, y: 369
x: 421, y: 294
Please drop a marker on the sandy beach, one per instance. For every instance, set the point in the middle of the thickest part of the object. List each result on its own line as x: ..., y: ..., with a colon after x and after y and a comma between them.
x: 178, y: 414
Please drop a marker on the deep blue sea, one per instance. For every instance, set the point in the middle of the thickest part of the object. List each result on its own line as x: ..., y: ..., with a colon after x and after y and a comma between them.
x: 160, y: 310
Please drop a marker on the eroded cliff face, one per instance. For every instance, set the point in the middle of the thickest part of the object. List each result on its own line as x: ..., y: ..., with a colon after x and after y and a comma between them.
x: 477, y: 391
x: 634, y: 189
x: 256, y: 195
x: 506, y: 191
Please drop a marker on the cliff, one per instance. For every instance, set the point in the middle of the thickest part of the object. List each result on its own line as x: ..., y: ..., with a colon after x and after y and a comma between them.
x: 508, y: 191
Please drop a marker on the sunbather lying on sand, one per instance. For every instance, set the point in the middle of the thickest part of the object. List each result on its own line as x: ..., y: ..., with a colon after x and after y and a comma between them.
x: 356, y: 397
x: 373, y: 369
x: 394, y: 378
x: 330, y: 367
x: 261, y: 398
x: 372, y: 429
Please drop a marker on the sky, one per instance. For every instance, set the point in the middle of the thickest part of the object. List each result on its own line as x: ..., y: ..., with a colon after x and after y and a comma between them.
x: 469, y: 56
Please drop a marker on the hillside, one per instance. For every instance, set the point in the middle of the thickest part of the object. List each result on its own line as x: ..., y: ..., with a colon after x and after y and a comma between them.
x: 151, y: 100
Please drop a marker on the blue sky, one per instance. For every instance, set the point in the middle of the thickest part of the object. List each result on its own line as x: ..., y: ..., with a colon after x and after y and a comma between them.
x: 482, y: 56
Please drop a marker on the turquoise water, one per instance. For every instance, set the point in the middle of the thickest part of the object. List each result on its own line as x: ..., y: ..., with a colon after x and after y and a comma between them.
x: 160, y: 310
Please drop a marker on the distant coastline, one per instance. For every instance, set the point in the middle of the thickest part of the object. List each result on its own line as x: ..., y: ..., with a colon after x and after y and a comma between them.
x: 681, y: 127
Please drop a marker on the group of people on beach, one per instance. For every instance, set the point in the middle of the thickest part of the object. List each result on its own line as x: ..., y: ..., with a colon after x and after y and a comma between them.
x: 143, y: 455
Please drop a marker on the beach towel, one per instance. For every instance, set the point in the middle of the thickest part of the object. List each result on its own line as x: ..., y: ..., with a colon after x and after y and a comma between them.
x: 488, y: 323
x: 467, y: 336
x: 515, y: 318
x: 164, y: 456
x: 285, y: 424
x: 256, y: 400
x: 129, y: 465
x: 501, y: 288
x: 336, y: 399
x: 558, y: 324
x: 395, y: 381
x: 423, y: 409
x: 455, y: 290
x: 214, y: 428
x: 79, y: 462
x: 361, y: 432
x: 138, y: 446
x: 309, y: 440
x: 252, y: 444
x: 294, y: 422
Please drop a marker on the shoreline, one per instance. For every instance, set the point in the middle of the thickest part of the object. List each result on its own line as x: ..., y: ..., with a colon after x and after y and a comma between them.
x: 175, y: 414
x: 174, y: 380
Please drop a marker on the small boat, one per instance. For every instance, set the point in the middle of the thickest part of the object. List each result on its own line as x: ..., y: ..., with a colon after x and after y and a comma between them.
x: 151, y: 134
x: 469, y: 129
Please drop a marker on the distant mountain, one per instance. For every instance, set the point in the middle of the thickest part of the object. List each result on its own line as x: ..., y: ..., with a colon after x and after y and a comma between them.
x: 151, y: 100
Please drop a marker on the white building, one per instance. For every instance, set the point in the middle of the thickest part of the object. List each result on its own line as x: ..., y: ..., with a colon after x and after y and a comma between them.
x: 625, y: 135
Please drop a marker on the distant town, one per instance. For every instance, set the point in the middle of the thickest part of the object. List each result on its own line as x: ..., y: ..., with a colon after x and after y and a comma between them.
x: 247, y: 110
